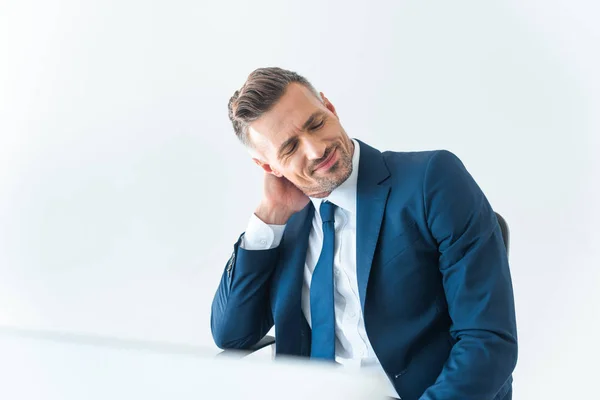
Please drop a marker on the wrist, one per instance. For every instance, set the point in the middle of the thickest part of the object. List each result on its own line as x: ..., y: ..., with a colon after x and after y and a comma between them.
x: 271, y: 214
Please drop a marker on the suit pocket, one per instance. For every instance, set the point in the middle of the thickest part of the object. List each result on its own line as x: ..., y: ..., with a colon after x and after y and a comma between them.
x: 390, y: 248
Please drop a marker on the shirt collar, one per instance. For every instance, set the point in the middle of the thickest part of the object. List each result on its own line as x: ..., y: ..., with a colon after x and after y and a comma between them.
x: 344, y: 196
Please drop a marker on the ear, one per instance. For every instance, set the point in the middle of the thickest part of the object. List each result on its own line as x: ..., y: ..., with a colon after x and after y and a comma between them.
x: 328, y: 104
x: 267, y: 168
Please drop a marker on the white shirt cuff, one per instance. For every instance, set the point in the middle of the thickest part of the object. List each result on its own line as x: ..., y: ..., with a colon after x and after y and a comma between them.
x: 261, y: 236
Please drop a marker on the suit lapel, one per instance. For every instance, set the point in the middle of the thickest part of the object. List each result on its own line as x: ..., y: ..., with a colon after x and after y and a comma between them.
x: 371, y: 199
x: 290, y: 325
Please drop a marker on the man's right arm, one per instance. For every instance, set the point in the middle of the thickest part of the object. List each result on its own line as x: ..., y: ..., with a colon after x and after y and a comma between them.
x: 241, y: 313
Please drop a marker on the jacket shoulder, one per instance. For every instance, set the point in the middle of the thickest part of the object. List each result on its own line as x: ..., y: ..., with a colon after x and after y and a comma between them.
x: 412, y: 166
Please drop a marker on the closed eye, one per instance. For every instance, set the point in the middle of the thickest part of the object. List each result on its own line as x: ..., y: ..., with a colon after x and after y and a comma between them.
x: 292, y: 148
x: 317, y: 126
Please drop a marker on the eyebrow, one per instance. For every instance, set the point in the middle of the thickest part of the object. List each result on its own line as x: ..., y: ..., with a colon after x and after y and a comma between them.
x: 312, y: 119
x: 305, y: 126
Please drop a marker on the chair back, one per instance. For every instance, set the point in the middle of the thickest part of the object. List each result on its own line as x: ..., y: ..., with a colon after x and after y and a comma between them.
x: 505, y: 231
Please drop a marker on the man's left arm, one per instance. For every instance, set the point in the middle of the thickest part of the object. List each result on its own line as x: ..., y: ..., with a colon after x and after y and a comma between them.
x: 476, y: 278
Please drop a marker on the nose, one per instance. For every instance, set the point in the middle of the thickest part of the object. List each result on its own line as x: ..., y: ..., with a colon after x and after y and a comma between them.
x: 314, y: 150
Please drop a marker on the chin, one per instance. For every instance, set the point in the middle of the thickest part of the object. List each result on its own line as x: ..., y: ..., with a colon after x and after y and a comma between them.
x: 319, y: 195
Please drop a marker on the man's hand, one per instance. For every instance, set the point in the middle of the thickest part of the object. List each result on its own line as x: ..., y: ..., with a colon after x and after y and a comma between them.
x: 281, y: 199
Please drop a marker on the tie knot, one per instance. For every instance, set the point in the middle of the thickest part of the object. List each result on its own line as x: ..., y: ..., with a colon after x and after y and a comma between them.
x: 326, y: 210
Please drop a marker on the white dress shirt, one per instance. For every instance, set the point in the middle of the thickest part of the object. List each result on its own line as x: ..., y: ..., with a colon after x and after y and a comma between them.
x: 352, y: 347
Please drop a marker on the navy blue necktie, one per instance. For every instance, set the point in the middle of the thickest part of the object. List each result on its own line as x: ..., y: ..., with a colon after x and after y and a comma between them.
x: 322, y: 311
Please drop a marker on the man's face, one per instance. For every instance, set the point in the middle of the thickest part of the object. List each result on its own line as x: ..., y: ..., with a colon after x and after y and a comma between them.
x: 301, y: 139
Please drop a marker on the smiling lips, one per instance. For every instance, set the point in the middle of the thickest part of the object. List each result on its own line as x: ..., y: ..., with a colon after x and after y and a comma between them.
x: 325, y: 165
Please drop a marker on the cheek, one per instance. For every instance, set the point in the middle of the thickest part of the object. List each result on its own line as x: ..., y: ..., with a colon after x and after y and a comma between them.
x: 298, y: 170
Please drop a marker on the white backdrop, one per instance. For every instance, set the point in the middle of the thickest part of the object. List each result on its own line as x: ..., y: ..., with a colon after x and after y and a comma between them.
x: 123, y: 187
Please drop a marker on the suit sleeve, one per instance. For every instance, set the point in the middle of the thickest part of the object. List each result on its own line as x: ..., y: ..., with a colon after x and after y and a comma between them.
x: 241, y: 310
x: 477, y: 284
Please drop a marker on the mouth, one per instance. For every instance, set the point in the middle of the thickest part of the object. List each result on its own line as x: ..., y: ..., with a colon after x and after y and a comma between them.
x: 328, y: 162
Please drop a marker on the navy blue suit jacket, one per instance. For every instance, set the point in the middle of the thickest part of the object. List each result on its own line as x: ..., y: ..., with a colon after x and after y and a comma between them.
x: 433, y: 279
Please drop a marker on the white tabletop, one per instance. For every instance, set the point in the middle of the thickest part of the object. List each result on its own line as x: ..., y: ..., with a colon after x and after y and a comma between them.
x: 62, y: 366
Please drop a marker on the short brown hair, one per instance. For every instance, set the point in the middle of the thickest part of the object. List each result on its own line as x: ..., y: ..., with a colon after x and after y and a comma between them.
x: 263, y: 88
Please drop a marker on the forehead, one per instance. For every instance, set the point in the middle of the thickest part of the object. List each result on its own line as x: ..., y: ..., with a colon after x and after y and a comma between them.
x: 286, y: 117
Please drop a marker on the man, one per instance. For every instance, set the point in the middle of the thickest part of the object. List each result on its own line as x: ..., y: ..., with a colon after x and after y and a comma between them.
x: 391, y: 261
